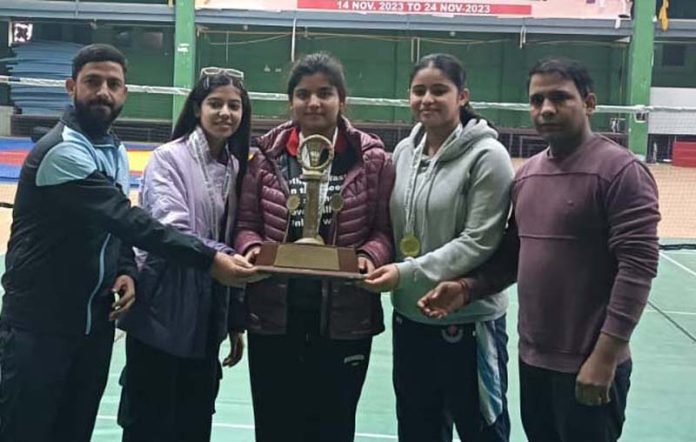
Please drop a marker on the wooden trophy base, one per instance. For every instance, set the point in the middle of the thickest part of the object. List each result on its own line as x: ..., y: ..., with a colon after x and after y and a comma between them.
x: 309, y: 261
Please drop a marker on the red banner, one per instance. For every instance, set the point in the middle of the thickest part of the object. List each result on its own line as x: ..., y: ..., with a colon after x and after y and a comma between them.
x: 416, y: 7
x: 603, y: 9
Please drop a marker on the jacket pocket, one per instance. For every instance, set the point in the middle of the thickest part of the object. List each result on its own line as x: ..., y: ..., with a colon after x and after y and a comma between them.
x: 267, y: 305
x: 154, y: 275
x: 354, y: 313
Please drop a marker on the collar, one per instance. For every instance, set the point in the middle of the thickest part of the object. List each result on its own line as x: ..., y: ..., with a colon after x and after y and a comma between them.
x: 198, y: 139
x: 295, y: 139
x: 69, y: 118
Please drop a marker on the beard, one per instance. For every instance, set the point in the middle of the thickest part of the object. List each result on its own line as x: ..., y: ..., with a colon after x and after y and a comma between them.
x: 95, y: 117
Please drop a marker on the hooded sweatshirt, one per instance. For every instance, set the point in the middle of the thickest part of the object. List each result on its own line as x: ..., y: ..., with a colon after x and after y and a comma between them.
x: 460, y: 204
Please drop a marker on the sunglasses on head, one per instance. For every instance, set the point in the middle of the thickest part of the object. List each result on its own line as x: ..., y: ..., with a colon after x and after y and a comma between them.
x: 228, y: 72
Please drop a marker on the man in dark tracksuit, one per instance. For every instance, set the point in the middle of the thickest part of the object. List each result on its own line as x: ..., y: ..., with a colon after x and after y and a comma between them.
x: 69, y: 250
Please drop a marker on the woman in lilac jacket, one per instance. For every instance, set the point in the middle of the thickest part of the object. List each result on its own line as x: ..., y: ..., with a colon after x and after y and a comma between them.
x: 181, y: 315
x: 309, y: 341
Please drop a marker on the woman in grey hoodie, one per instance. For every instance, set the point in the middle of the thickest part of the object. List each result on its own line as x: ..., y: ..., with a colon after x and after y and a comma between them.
x: 449, y: 208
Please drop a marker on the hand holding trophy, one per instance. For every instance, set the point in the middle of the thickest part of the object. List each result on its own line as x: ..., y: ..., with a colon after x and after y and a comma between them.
x: 309, y: 256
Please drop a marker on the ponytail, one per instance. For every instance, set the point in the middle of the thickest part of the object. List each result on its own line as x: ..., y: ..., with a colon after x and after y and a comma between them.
x: 467, y: 113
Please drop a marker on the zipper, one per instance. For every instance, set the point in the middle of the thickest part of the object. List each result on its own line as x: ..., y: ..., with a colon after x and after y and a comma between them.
x: 100, y: 280
x: 325, y: 308
x: 285, y: 188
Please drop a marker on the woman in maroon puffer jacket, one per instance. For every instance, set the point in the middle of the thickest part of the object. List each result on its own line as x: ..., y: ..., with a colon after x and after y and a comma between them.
x: 309, y: 341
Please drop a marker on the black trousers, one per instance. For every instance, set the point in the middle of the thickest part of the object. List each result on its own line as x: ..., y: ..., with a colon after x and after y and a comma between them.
x: 306, y: 387
x: 550, y: 412
x: 166, y: 398
x: 436, y: 382
x: 50, y: 386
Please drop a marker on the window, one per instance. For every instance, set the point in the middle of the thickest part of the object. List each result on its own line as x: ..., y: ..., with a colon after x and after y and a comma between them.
x: 123, y: 37
x: 152, y: 40
x: 673, y: 55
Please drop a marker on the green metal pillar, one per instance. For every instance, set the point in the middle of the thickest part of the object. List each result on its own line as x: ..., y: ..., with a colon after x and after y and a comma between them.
x: 184, y: 51
x: 640, y: 67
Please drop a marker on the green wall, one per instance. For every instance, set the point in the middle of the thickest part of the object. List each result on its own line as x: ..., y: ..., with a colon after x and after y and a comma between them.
x: 378, y: 65
x: 264, y: 58
x: 147, y: 65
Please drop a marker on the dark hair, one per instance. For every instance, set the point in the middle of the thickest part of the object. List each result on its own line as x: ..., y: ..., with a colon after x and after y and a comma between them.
x: 453, y: 69
x: 318, y: 63
x: 238, y: 143
x: 95, y: 53
x: 566, y: 68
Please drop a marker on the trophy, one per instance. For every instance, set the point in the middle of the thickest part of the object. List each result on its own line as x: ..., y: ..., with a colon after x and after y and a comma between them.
x: 309, y: 257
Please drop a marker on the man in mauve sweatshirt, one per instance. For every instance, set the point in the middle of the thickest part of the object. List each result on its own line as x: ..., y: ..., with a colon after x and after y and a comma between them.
x: 582, y: 245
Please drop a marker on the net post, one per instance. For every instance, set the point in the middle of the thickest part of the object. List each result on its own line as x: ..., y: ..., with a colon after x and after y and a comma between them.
x: 640, y: 73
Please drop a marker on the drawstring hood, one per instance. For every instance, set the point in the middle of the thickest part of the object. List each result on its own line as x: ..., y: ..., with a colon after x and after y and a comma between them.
x: 456, y: 203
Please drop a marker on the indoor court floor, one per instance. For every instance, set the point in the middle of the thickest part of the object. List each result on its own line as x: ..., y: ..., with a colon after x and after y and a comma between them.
x: 661, y: 399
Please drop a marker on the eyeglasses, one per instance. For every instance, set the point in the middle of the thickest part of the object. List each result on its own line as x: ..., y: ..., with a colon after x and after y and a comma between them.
x: 228, y: 72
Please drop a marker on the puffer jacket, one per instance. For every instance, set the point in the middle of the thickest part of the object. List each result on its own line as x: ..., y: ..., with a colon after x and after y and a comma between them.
x: 347, y: 311
x: 180, y: 309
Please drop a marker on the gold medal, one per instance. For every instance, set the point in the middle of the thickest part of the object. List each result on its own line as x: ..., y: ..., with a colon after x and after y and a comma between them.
x: 409, y: 245
x: 293, y: 203
x: 336, y: 202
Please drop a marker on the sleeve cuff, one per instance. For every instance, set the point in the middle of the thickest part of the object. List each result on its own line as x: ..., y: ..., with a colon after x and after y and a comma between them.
x: 132, y: 272
x: 249, y: 246
x: 407, y: 272
x: 618, y: 327
x: 209, y: 256
x: 229, y: 251
x: 472, y: 284
x: 365, y: 254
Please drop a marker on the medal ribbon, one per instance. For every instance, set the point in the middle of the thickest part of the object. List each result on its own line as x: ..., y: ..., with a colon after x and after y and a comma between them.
x: 200, y: 148
x: 412, y: 189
